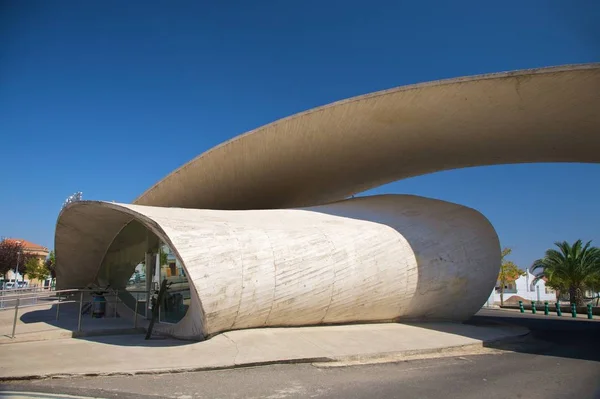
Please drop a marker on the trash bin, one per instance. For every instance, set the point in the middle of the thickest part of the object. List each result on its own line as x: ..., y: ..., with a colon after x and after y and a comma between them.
x: 98, y: 306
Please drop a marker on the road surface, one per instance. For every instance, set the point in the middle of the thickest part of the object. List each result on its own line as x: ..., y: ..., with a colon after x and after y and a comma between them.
x: 561, y: 358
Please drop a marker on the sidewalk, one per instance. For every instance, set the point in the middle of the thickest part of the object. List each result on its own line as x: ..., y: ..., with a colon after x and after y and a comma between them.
x: 131, y: 354
x: 39, y: 323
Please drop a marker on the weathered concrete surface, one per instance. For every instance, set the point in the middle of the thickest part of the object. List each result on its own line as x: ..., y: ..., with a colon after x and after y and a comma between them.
x: 132, y: 354
x: 379, y: 258
x: 328, y: 153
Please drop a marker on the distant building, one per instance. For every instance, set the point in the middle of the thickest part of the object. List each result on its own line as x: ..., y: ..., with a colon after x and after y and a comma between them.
x: 33, y: 250
x: 525, y: 287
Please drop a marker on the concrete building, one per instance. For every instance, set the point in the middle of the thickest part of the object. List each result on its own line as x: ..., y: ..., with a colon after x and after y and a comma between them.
x: 259, y: 231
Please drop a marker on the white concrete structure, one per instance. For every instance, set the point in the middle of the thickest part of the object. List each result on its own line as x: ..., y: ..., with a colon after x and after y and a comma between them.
x: 263, y: 236
x: 377, y: 258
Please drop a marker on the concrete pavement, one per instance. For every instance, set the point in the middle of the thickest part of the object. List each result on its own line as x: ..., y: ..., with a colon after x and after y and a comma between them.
x: 37, y: 395
x: 39, y: 323
x: 492, y: 376
x: 558, y: 358
x: 131, y: 354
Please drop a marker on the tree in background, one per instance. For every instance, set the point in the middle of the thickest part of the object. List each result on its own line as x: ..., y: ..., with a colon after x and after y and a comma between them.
x: 164, y: 258
x: 50, y: 264
x: 11, y: 254
x: 509, y: 272
x: 36, y: 269
x: 9, y: 251
x: 571, y: 267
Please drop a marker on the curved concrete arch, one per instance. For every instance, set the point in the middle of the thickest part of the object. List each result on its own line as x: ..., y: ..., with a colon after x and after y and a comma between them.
x: 85, y: 231
x: 376, y: 258
x: 328, y: 153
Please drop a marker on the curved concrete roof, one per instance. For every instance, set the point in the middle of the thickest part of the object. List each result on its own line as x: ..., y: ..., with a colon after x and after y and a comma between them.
x: 328, y: 153
x: 377, y: 258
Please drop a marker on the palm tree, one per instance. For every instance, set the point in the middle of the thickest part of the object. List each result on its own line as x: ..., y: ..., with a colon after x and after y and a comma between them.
x: 570, y: 267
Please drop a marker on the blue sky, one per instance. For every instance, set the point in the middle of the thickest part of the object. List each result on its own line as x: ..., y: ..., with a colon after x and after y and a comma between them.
x: 89, y: 89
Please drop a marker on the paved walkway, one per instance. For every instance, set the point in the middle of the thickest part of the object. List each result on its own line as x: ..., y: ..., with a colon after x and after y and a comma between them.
x: 130, y: 354
x: 37, y: 395
x: 39, y: 323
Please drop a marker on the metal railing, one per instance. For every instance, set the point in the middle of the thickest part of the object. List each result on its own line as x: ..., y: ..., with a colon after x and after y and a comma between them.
x: 62, y: 298
x: 35, y: 288
x: 10, y: 294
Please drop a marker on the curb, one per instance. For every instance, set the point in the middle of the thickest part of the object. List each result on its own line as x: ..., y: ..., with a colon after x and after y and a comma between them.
x: 384, y: 357
x: 399, y: 356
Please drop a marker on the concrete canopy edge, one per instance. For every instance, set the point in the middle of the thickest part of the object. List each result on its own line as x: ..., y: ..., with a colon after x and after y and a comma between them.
x: 331, y: 152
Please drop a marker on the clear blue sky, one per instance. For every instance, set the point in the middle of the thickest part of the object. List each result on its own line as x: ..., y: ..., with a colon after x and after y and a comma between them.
x: 88, y: 90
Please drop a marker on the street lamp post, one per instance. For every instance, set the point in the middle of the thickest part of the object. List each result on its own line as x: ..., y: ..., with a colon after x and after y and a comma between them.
x: 17, y: 268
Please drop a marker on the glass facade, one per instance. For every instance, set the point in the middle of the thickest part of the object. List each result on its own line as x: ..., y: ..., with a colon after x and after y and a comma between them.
x: 177, y: 299
x: 124, y: 269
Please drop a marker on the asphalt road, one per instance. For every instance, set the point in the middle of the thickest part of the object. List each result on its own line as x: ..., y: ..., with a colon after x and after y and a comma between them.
x: 560, y: 358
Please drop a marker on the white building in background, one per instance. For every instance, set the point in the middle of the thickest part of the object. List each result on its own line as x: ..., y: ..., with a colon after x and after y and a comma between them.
x: 525, y: 287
